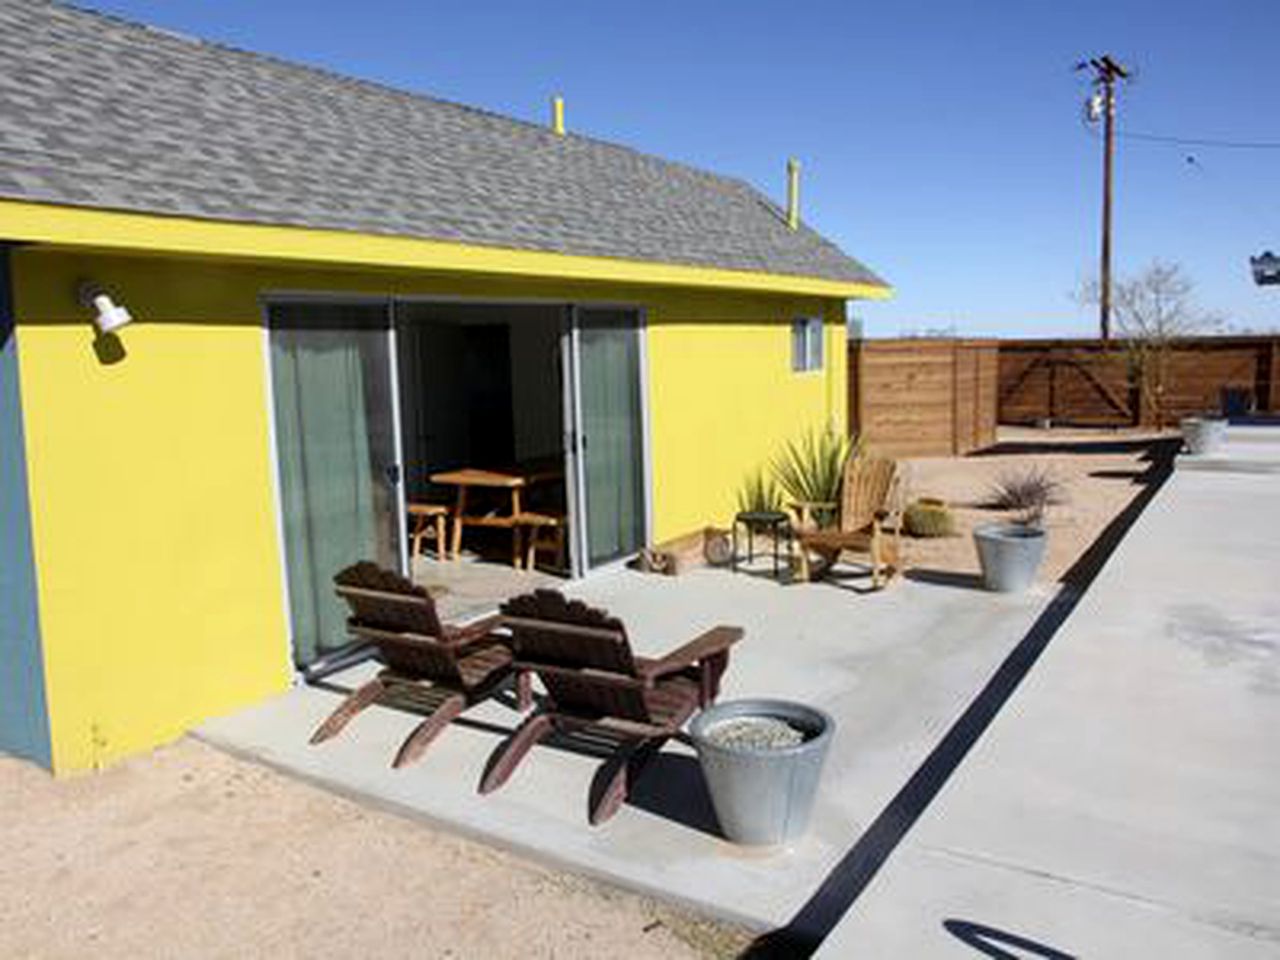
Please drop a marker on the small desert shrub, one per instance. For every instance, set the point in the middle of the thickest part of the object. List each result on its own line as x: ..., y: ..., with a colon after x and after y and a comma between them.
x: 759, y: 492
x: 929, y: 518
x: 1028, y: 492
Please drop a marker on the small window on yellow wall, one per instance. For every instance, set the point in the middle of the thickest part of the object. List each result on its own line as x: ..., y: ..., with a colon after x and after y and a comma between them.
x: 806, y: 344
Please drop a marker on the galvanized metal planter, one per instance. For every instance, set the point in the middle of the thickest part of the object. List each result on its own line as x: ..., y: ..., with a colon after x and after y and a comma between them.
x: 1010, y: 554
x: 763, y: 796
x: 1203, y: 435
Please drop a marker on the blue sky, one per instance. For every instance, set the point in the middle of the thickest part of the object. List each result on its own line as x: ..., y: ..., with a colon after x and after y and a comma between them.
x: 942, y: 143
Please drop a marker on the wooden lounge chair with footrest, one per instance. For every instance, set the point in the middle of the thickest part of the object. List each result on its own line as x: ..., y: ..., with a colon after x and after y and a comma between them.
x: 596, y: 686
x: 445, y: 669
x: 870, y: 521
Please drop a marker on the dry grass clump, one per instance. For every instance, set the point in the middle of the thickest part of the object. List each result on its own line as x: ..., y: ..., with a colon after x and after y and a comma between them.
x: 1028, y: 492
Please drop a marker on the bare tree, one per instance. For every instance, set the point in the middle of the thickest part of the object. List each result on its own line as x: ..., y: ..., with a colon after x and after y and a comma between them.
x: 1153, y: 310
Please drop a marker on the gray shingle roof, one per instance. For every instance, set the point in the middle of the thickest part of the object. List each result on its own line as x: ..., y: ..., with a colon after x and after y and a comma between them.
x: 99, y: 112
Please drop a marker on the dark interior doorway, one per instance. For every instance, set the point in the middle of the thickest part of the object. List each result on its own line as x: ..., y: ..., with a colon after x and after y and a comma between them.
x: 481, y: 386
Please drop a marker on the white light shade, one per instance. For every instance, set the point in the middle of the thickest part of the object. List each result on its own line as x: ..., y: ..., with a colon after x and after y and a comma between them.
x: 110, y: 317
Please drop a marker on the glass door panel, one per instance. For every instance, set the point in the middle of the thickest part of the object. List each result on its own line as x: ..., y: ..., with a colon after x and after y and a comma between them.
x: 610, y: 434
x: 337, y: 452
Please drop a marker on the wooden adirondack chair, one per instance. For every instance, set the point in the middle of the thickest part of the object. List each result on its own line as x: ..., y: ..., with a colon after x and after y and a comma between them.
x: 443, y: 669
x: 596, y: 685
x: 870, y: 521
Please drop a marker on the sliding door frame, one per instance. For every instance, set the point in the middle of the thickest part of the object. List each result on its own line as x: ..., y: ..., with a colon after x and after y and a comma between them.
x: 571, y: 416
x: 397, y: 425
x: 646, y: 427
x: 580, y: 535
x: 342, y: 657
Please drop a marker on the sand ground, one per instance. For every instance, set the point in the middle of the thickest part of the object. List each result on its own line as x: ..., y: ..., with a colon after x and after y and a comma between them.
x: 188, y: 852
x: 1095, y: 486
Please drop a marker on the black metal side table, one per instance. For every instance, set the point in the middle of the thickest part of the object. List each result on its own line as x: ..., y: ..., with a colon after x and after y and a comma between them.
x: 775, y: 521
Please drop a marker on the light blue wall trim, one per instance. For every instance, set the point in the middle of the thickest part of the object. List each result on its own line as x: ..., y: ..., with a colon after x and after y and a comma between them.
x: 24, y: 717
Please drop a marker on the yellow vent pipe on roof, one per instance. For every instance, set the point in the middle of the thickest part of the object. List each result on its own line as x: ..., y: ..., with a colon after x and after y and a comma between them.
x: 557, y: 115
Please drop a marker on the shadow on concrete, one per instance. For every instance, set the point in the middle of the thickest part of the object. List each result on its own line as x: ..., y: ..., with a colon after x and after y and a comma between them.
x: 668, y: 785
x: 672, y: 787
x: 851, y: 578
x: 1000, y: 944
x: 421, y: 706
x: 842, y: 886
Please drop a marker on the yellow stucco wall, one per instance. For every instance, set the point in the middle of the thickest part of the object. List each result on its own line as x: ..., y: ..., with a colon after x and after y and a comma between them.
x: 723, y: 398
x: 161, y: 596
x: 158, y: 576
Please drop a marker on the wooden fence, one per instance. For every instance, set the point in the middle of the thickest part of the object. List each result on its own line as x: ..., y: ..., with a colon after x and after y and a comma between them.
x: 1083, y: 383
x: 923, y: 396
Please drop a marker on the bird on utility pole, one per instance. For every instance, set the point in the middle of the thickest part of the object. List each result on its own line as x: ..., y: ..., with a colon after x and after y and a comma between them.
x: 1102, y: 105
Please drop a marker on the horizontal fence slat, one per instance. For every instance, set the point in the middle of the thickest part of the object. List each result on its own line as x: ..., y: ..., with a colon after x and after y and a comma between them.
x: 924, y: 397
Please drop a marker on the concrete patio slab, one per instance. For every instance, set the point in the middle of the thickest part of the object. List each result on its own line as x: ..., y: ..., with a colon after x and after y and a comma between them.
x: 1126, y: 802
x: 468, y: 588
x: 1247, y: 449
x: 894, y: 668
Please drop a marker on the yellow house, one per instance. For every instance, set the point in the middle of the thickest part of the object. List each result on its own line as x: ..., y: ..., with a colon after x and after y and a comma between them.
x: 248, y: 307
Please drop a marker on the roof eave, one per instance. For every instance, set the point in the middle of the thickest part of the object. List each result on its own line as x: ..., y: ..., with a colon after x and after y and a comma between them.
x: 124, y: 231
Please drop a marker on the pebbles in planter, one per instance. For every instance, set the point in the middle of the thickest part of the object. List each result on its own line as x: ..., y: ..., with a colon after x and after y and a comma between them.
x: 755, y: 733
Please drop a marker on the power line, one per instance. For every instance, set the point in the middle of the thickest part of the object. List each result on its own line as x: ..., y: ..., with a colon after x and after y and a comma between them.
x: 1202, y: 141
x: 1185, y: 141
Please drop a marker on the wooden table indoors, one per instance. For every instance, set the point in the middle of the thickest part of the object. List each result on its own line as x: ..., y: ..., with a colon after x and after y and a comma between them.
x: 514, y: 481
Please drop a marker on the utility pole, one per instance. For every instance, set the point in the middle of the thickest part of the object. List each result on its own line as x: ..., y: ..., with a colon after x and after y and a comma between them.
x: 1105, y: 73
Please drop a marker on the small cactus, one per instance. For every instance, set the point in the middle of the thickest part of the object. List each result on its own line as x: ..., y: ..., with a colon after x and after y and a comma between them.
x: 929, y: 518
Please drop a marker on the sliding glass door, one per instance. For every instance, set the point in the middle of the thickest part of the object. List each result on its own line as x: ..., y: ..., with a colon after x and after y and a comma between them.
x: 339, y: 449
x: 336, y: 441
x: 609, y: 434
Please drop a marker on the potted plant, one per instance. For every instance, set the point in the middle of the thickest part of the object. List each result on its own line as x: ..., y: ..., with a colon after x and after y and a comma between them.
x: 762, y: 761
x: 1010, y: 551
x: 1203, y: 434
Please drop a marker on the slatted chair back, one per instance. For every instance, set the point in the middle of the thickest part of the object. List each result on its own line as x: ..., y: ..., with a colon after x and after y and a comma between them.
x: 400, y: 618
x: 581, y: 654
x: 868, y: 487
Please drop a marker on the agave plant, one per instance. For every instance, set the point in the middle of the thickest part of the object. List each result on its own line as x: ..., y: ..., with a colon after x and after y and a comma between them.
x: 759, y: 493
x: 810, y: 470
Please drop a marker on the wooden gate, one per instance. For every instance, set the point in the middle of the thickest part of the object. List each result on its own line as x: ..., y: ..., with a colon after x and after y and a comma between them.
x: 1080, y: 382
x: 1079, y: 385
